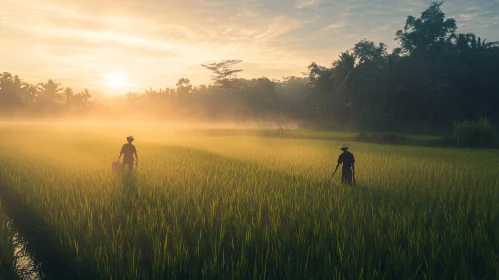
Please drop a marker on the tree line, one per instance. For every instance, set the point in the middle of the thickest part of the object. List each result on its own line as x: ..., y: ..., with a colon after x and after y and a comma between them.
x: 435, y: 77
x: 22, y: 98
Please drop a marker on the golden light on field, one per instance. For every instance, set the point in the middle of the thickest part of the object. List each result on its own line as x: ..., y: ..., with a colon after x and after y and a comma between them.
x: 114, y: 80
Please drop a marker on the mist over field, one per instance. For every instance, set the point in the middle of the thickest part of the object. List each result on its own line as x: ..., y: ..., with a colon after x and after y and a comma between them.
x: 382, y: 164
x: 231, y: 203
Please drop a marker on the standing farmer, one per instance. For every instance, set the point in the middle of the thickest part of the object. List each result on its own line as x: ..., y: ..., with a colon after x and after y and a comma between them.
x: 348, y: 169
x: 128, y: 150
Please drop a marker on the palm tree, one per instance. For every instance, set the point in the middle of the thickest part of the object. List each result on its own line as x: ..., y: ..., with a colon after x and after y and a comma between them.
x: 29, y: 93
x: 68, y: 94
x: 151, y: 94
x: 345, y: 72
x: 82, y: 100
x: 51, y: 91
x: 11, y: 90
x: 390, y: 84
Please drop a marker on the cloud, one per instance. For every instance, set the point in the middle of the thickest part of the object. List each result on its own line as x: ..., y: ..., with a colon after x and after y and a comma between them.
x: 306, y: 3
x: 335, y: 25
x: 469, y: 16
x: 378, y: 12
x: 70, y: 37
x: 158, y: 41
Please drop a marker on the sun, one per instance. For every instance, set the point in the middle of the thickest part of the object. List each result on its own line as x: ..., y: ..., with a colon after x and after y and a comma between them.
x: 114, y: 80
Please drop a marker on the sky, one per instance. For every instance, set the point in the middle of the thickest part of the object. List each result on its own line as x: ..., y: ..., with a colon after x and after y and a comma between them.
x: 133, y: 45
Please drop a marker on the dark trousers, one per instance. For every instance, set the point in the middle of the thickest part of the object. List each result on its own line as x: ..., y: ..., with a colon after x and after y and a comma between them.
x: 130, y: 165
x: 346, y: 176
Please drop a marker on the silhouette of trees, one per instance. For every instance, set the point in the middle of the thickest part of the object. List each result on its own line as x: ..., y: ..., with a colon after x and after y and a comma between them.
x: 184, y: 87
x: 68, y: 95
x: 223, y: 74
x: 49, y: 97
x: 435, y: 77
x: 12, y: 91
x: 49, y: 92
x: 429, y: 34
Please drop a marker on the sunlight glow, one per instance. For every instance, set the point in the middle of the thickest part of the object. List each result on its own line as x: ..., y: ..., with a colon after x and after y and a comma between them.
x: 114, y: 80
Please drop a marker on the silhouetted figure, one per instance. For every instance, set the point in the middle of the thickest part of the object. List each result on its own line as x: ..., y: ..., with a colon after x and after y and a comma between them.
x: 348, y: 168
x: 128, y: 150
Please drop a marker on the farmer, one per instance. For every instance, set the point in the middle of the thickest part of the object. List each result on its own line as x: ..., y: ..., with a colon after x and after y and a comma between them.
x: 348, y: 169
x: 128, y: 150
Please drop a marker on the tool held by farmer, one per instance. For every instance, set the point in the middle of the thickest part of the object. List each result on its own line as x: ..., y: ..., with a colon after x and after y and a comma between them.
x: 348, y: 169
x: 127, y: 151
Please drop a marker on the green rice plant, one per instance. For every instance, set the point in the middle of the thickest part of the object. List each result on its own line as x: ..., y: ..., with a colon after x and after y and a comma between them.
x: 7, y: 264
x: 480, y: 133
x: 242, y: 206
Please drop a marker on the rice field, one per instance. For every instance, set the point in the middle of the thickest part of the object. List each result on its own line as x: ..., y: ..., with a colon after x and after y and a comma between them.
x: 215, y: 206
x: 6, y: 248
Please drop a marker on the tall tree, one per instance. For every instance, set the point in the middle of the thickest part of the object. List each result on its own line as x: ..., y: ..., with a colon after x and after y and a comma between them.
x: 223, y: 74
x: 429, y: 34
x: 50, y: 92
x: 12, y: 90
x: 184, y: 87
x: 68, y: 95
x: 346, y: 75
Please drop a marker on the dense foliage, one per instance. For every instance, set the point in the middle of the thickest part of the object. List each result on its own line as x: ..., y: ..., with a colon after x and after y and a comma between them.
x: 435, y: 77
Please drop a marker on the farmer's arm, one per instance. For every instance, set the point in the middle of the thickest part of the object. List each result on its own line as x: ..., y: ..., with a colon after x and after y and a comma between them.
x: 340, y: 161
x: 135, y: 153
x: 121, y: 153
x: 336, y: 169
x: 353, y: 165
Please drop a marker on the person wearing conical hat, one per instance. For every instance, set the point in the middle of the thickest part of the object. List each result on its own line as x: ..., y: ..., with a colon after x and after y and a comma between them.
x: 128, y: 150
x: 348, y: 169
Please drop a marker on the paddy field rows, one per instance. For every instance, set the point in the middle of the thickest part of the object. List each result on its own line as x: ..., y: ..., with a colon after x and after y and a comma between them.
x: 209, y: 205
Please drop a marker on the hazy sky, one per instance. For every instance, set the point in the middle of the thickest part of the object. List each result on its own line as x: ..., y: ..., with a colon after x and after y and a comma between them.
x: 156, y: 42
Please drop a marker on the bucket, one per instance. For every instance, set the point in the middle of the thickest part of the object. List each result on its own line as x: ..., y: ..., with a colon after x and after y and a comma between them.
x: 117, y: 167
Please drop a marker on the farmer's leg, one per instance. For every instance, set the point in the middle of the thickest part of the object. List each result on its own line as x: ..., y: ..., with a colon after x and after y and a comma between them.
x: 346, y: 176
x: 343, y: 177
x: 350, y: 178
